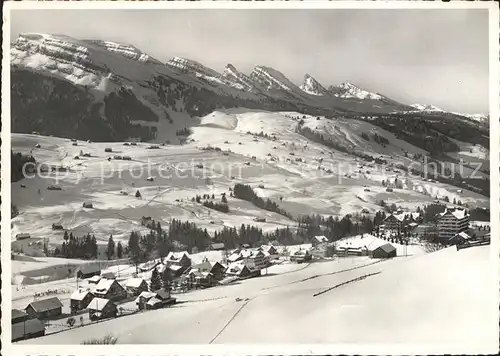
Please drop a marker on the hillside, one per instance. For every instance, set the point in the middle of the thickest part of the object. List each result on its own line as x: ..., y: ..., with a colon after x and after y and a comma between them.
x: 258, y: 148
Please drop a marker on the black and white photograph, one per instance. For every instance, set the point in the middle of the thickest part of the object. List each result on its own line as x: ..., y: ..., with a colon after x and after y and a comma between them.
x: 226, y: 175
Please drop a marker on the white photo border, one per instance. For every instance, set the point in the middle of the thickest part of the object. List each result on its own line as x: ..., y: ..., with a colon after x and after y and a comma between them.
x: 245, y: 349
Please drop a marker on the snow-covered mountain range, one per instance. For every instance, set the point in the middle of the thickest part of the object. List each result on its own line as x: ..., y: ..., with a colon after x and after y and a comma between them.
x: 125, y: 92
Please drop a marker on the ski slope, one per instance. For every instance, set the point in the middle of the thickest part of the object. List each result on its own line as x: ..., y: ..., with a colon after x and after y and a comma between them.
x: 441, y: 302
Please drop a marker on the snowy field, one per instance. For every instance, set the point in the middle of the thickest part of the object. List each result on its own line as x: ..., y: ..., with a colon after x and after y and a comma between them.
x: 301, y: 176
x: 434, y: 300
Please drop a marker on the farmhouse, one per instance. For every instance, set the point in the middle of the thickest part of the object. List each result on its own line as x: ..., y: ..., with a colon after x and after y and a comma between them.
x: 160, y: 299
x: 27, y: 329
x: 384, y: 251
x: 44, y: 309
x: 271, y: 250
x: 301, y: 256
x: 217, y: 271
x: 88, y: 271
x: 135, y: 286
x: 109, y: 289
x: 23, y: 236
x: 100, y: 308
x: 79, y: 300
x: 242, y: 270
x: 180, y: 259
x: 316, y: 240
x: 88, y: 205
x: 143, y: 298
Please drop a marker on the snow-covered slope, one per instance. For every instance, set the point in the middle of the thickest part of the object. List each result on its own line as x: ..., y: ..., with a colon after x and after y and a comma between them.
x: 310, y: 177
x: 440, y: 303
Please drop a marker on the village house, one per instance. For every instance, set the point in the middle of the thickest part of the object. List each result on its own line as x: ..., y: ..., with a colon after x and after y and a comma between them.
x: 323, y: 250
x: 27, y: 329
x: 316, y: 240
x: 217, y: 271
x: 109, y: 289
x: 178, y: 262
x: 79, y: 300
x: 271, y: 250
x: 235, y: 256
x: 301, y: 256
x: 160, y: 299
x: 45, y: 308
x: 135, y: 286
x: 88, y: 271
x: 242, y: 269
x: 384, y: 251
x: 100, y: 308
x: 143, y: 298
x: 451, y: 222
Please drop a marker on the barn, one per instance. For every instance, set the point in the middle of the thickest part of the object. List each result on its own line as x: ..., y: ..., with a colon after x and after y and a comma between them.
x: 88, y: 271
x: 384, y: 251
x: 45, y: 308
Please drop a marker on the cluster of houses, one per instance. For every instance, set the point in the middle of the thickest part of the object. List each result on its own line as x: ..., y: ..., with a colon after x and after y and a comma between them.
x: 453, y: 226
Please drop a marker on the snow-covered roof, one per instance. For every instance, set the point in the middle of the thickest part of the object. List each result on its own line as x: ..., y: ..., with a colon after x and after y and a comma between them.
x: 145, y: 295
x: 463, y: 235
x: 320, y: 238
x: 153, y: 301
x: 176, y: 256
x: 175, y: 267
x: 134, y: 282
x: 79, y: 295
x: 104, y: 285
x: 46, y: 304
x: 457, y: 213
x: 98, y: 303
x: 95, y: 279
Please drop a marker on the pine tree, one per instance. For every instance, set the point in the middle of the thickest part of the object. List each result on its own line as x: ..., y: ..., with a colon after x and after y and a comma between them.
x: 167, y: 279
x: 94, y: 247
x: 119, y: 250
x: 110, y: 251
x: 155, y: 281
x: 224, y: 199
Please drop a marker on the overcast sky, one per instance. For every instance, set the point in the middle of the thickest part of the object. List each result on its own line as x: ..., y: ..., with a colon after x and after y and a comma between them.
x: 437, y: 57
